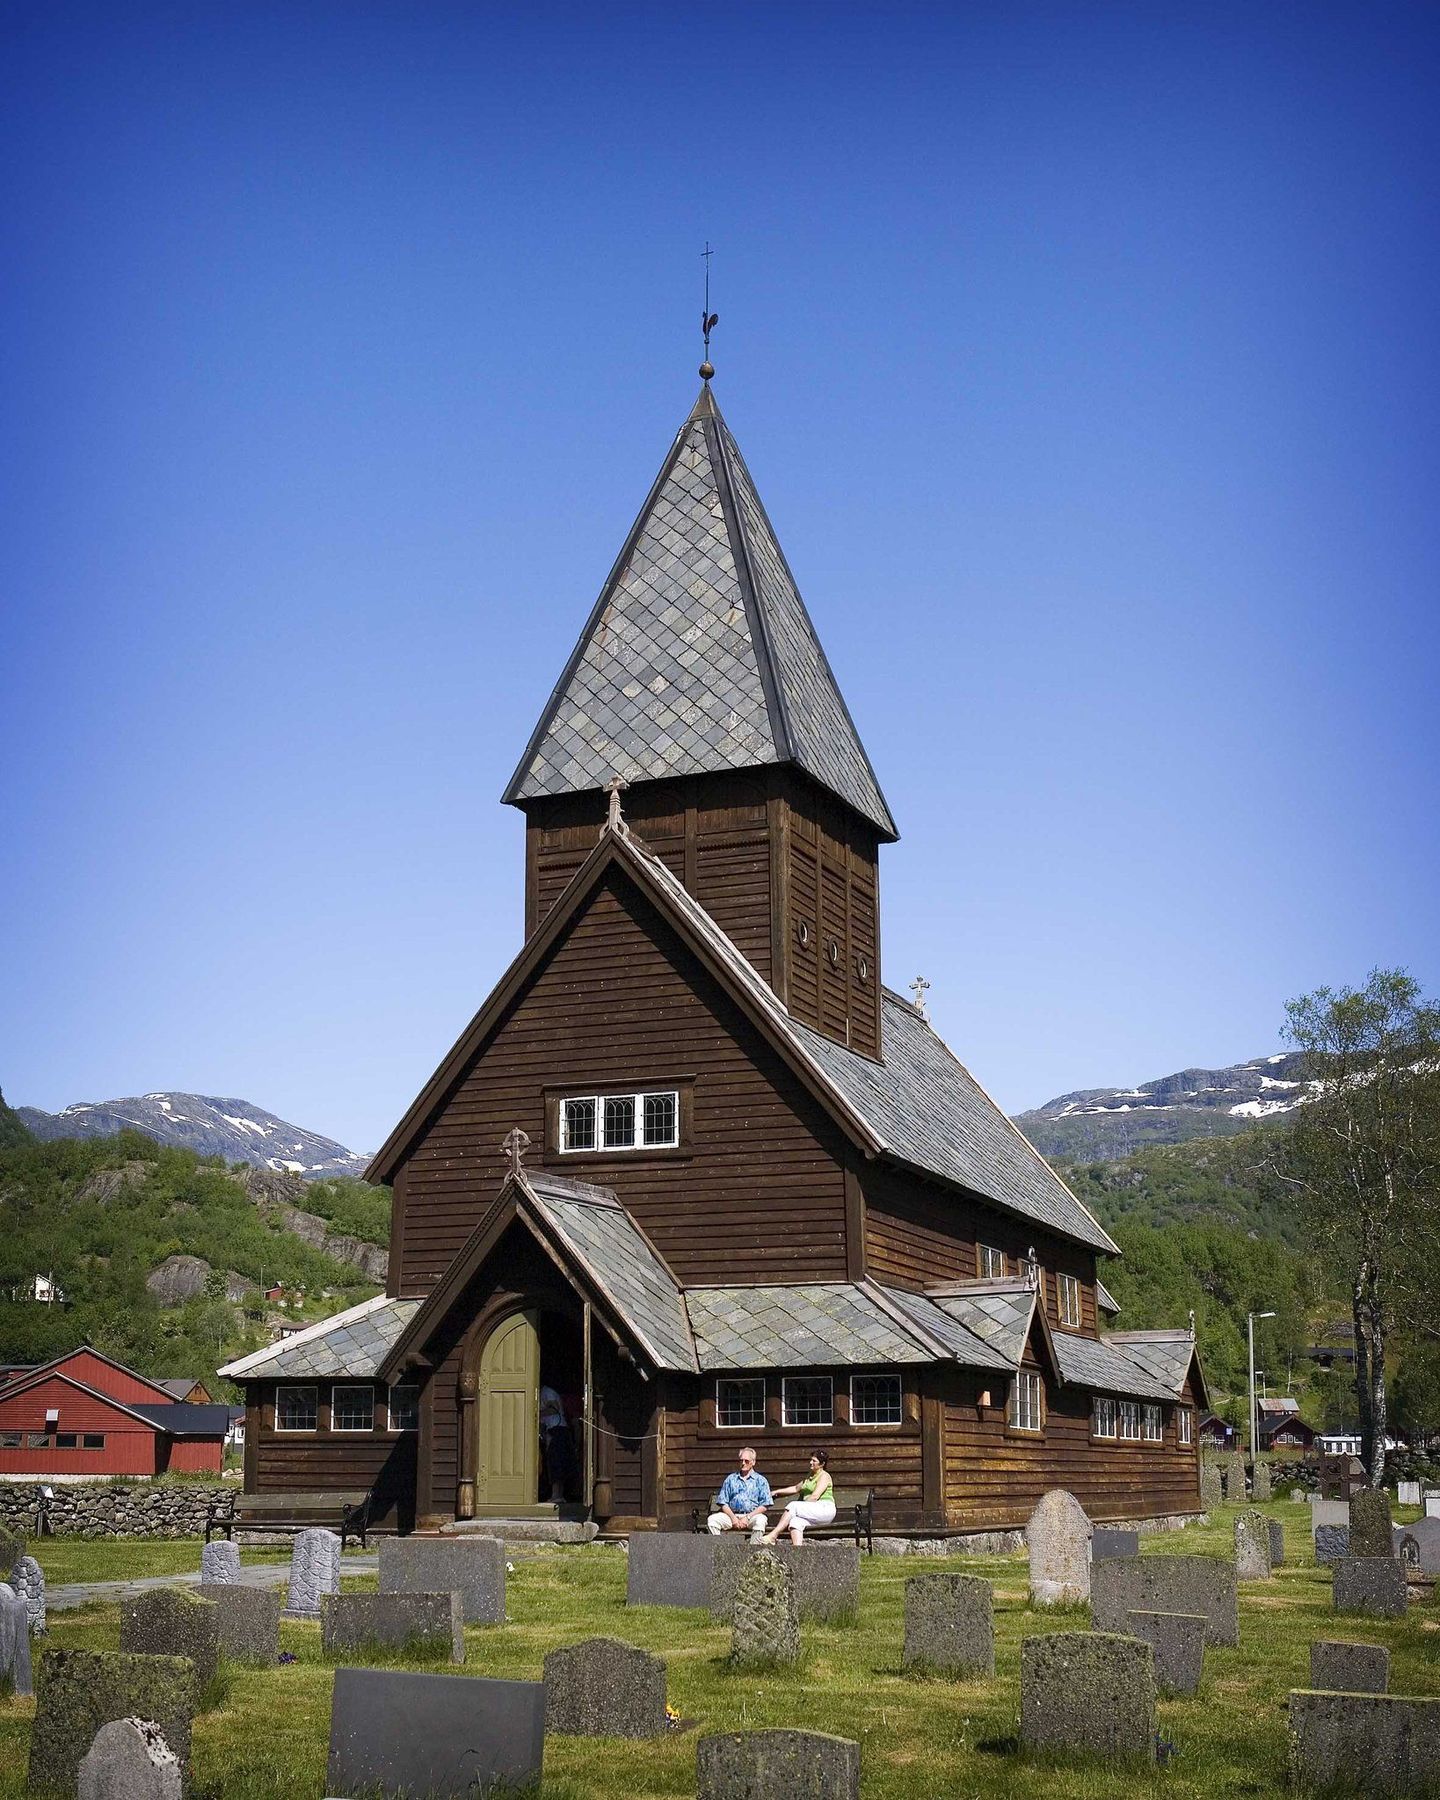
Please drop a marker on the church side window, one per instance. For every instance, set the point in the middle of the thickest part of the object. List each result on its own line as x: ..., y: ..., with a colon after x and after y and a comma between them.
x: 648, y: 1121
x: 297, y: 1408
x: 352, y: 1409
x: 740, y: 1403
x: 1026, y: 1402
x: 1130, y: 1420
x: 807, y: 1400
x: 875, y: 1400
x: 1069, y: 1300
x: 992, y: 1262
x: 1182, y: 1421
x: 1102, y: 1417
x: 1154, y: 1429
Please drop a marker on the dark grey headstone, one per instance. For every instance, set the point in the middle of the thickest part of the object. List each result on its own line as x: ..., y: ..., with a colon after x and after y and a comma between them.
x: 827, y: 1576
x: 1370, y: 1523
x: 433, y: 1737
x: 1170, y: 1584
x: 1332, y: 1543
x: 1090, y: 1691
x: 1109, y: 1541
x: 1235, y: 1491
x: 1391, y: 1745
x: 129, y: 1759
x: 669, y: 1568
x: 1349, y: 1668
x: 173, y: 1622
x: 764, y: 1619
x: 1418, y: 1545
x: 762, y: 1765
x: 81, y: 1690
x: 15, y: 1675
x: 950, y: 1624
x: 473, y: 1567
x: 428, y: 1623
x: 12, y: 1548
x: 1370, y: 1584
x: 249, y: 1620
x: 1277, y: 1542
x: 603, y: 1688
x: 1178, y: 1640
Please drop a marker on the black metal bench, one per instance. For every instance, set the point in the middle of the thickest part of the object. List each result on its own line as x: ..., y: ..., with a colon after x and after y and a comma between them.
x: 854, y: 1516
x: 345, y: 1513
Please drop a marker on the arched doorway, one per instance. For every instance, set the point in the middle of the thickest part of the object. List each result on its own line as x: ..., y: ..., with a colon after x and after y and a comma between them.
x: 507, y: 1400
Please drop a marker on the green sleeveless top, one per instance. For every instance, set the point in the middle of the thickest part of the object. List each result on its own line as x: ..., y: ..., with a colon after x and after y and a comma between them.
x: 808, y: 1486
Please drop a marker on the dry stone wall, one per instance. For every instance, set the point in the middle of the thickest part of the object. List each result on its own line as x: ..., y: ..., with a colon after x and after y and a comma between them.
x: 94, y: 1509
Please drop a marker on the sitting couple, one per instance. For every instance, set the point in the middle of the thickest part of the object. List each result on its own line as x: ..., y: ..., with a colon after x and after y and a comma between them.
x: 746, y: 1499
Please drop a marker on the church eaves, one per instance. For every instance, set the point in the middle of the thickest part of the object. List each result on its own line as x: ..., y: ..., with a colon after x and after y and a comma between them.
x: 699, y: 656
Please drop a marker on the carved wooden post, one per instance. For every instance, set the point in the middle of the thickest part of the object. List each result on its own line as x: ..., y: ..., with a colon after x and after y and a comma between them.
x: 465, y: 1486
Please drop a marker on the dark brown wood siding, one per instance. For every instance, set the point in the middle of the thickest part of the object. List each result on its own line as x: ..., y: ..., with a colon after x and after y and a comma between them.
x: 620, y: 1003
x: 328, y: 1461
x: 833, y: 934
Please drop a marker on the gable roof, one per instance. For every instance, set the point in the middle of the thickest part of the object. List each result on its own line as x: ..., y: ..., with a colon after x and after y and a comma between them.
x: 1169, y: 1356
x: 49, y: 1373
x: 699, y: 655
x: 180, y: 1419
x: 353, y: 1342
x: 918, y: 1106
x: 57, y: 1363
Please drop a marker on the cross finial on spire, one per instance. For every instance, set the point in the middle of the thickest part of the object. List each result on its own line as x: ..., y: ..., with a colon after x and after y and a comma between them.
x: 708, y: 320
x: 919, y: 987
x: 615, y: 787
x: 516, y: 1142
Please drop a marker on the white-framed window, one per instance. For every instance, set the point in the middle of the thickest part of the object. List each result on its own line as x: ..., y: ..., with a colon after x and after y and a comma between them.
x: 1154, y: 1426
x: 740, y: 1403
x: 992, y: 1262
x: 402, y: 1410
x: 1027, y: 1402
x: 807, y: 1400
x: 649, y: 1121
x: 297, y: 1408
x: 352, y: 1408
x: 1102, y: 1417
x: 1069, y: 1300
x: 876, y: 1400
x: 1130, y: 1421
x: 1182, y: 1424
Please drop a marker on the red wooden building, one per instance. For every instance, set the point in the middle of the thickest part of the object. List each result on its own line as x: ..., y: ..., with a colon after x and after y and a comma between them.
x: 85, y: 1414
x: 750, y: 1195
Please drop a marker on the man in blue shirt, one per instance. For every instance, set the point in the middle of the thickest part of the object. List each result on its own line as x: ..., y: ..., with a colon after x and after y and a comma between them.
x: 743, y: 1500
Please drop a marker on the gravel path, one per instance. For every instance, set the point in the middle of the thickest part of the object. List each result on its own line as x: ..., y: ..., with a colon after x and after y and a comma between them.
x: 89, y: 1593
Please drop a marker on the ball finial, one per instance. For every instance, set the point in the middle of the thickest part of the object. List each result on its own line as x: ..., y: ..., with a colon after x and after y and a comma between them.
x: 707, y: 369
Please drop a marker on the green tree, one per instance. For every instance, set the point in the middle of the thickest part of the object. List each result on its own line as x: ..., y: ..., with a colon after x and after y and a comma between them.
x: 1363, y: 1159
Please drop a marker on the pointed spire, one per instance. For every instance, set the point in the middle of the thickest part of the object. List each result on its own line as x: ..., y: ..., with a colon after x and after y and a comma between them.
x: 699, y: 655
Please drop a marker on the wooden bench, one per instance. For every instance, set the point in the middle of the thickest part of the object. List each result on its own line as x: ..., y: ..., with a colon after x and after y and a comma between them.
x: 345, y: 1513
x: 854, y: 1516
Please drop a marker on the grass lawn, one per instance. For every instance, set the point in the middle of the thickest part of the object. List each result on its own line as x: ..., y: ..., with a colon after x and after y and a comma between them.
x: 921, y: 1739
x: 129, y: 1559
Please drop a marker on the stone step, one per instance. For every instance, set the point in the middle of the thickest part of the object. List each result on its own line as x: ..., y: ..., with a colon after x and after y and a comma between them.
x: 524, y: 1530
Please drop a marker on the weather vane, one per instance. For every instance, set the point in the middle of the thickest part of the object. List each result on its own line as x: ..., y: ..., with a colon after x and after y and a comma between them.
x: 708, y: 320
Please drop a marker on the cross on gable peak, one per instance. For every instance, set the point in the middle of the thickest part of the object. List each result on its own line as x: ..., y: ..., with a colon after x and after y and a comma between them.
x: 515, y: 1143
x: 919, y: 987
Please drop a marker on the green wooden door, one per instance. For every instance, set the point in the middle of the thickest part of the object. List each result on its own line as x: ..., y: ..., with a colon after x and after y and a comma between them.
x: 508, y: 1472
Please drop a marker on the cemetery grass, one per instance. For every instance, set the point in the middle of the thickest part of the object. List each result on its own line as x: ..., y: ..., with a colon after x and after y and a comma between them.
x: 73, y: 1559
x: 921, y: 1738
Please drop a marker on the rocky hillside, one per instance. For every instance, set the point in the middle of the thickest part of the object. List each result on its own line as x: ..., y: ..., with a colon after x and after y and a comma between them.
x: 205, y: 1124
x: 1108, y: 1124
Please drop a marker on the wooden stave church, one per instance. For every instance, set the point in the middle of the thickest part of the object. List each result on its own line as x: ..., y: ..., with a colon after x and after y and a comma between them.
x: 836, y: 1239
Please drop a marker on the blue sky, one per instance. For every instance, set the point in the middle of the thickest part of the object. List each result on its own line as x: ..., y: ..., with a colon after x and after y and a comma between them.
x: 1085, y: 357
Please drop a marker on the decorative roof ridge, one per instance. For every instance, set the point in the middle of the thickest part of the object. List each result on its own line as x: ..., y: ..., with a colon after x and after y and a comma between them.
x: 587, y: 1193
x: 1157, y: 1335
x: 980, y: 1286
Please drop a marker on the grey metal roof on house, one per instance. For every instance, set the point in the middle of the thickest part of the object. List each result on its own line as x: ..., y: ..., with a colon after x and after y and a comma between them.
x: 1095, y: 1364
x: 352, y: 1343
x: 606, y: 1241
x: 183, y: 1420
x: 699, y: 655
x: 1166, y: 1355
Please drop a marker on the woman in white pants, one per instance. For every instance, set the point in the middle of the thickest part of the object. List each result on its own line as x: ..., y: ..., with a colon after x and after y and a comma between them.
x: 814, y: 1502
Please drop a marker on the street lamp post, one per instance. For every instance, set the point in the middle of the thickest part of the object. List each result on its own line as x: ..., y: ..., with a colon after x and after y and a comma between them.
x: 1254, y: 1445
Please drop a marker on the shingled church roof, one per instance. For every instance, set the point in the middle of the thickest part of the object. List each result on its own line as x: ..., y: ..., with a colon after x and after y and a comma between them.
x: 699, y: 655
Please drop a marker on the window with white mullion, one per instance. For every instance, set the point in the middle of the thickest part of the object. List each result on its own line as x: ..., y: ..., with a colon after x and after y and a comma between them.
x: 1130, y: 1421
x: 642, y: 1121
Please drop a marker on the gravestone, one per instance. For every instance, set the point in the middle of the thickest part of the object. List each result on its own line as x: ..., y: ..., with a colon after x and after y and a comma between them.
x: 1332, y: 1543
x: 1108, y: 1542
x: 314, y: 1571
x: 1252, y: 1546
x: 950, y: 1624
x: 1178, y: 1640
x: 1349, y: 1668
x: 758, y: 1765
x: 427, y: 1623
x: 1235, y: 1480
x: 1212, y: 1490
x: 1407, y: 1493
x: 669, y: 1568
x: 12, y: 1548
x: 1328, y: 1512
x: 433, y: 1737
x: 603, y: 1688
x: 827, y: 1576
x: 248, y: 1618
x: 1370, y: 1524
x: 1260, y: 1482
x: 1277, y: 1542
x: 1370, y: 1584
x: 28, y: 1580
x: 765, y: 1623
x: 173, y: 1622
x: 128, y: 1759
x: 1418, y: 1545
x: 81, y: 1690
x: 473, y: 1567
x: 1432, y: 1503
x: 1171, y: 1584
x: 1392, y: 1744
x: 1088, y: 1690
x: 15, y: 1676
x: 1058, y: 1538
x: 219, y: 1561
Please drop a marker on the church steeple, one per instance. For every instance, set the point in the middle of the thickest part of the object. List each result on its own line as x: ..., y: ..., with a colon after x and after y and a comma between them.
x: 699, y: 656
